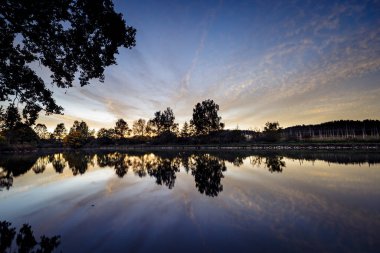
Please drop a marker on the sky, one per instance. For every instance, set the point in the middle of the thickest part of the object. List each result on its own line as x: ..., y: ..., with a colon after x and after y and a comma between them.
x: 295, y: 62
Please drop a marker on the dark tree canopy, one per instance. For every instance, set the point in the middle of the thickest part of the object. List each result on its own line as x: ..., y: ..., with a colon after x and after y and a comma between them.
x: 121, y: 128
x: 272, y: 126
x: 10, y: 118
x: 205, y: 117
x: 60, y: 131
x: 69, y: 37
x: 163, y: 122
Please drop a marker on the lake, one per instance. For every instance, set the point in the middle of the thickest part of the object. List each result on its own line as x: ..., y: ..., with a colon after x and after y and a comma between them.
x: 294, y: 201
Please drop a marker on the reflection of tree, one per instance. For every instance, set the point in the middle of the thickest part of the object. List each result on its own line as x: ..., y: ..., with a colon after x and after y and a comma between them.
x: 256, y: 160
x: 78, y: 162
x: 121, y: 166
x: 275, y: 163
x: 208, y: 172
x: 40, y: 165
x: 25, y: 239
x: 238, y: 161
x: 58, y: 163
x: 139, y: 164
x: 185, y: 160
x: 14, y: 166
x: 164, y: 169
x: 116, y: 160
x: 6, y: 180
x: 7, y: 234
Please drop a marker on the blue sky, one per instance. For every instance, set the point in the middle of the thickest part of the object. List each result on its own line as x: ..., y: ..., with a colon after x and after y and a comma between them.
x: 296, y: 62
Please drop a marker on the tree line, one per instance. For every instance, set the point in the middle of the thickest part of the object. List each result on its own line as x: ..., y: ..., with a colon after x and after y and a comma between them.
x: 205, y: 127
x: 161, y: 128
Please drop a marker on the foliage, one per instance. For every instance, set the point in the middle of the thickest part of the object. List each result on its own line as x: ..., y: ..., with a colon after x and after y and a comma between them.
x: 139, y: 127
x: 60, y: 131
x: 79, y: 135
x: 121, y: 129
x: 208, y: 172
x: 71, y: 37
x: 41, y: 131
x: 25, y: 240
x: 21, y: 133
x: 271, y: 126
x: 10, y: 118
x: 106, y: 133
x: 186, y: 130
x: 164, y: 122
x: 272, y: 131
x: 205, y: 117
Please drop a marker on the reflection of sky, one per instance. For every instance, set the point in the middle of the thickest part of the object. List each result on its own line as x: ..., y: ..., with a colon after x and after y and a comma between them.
x: 295, y: 62
x: 309, y: 206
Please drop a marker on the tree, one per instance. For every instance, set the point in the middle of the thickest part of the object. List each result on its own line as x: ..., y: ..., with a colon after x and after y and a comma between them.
x: 139, y: 127
x: 79, y: 134
x: 205, y: 117
x: 164, y: 122
x: 106, y: 133
x: 71, y: 38
x: 121, y: 128
x: 10, y: 118
x: 186, y: 131
x: 272, y: 126
x: 272, y: 131
x: 150, y: 129
x: 60, y: 131
x: 41, y: 131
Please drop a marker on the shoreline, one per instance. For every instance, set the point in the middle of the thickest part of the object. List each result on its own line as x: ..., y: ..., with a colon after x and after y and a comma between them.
x: 206, y: 147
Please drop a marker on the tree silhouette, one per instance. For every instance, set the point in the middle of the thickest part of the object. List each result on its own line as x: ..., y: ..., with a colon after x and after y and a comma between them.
x: 205, y: 117
x: 7, y: 234
x: 164, y: 169
x: 139, y: 127
x: 25, y: 239
x: 106, y: 133
x: 41, y: 131
x: 58, y: 163
x: 275, y: 163
x: 272, y: 131
x: 10, y: 118
x: 208, y: 172
x: 68, y: 37
x: 59, y: 131
x: 163, y: 122
x: 78, y: 162
x: 78, y: 135
x: 186, y: 130
x: 121, y: 128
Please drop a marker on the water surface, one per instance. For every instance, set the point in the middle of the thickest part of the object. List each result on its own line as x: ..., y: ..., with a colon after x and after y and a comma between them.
x: 204, y: 202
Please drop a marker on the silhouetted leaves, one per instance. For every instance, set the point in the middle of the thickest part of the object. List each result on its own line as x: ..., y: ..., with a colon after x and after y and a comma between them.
x: 208, y: 172
x: 25, y: 239
x: 164, y: 169
x: 7, y: 234
x: 68, y: 37
x: 205, y: 117
x: 275, y: 163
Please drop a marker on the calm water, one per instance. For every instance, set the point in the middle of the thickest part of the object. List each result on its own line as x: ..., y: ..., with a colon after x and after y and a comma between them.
x: 196, y: 202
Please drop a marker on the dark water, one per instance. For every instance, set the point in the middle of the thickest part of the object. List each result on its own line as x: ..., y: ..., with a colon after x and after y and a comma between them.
x: 196, y: 202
